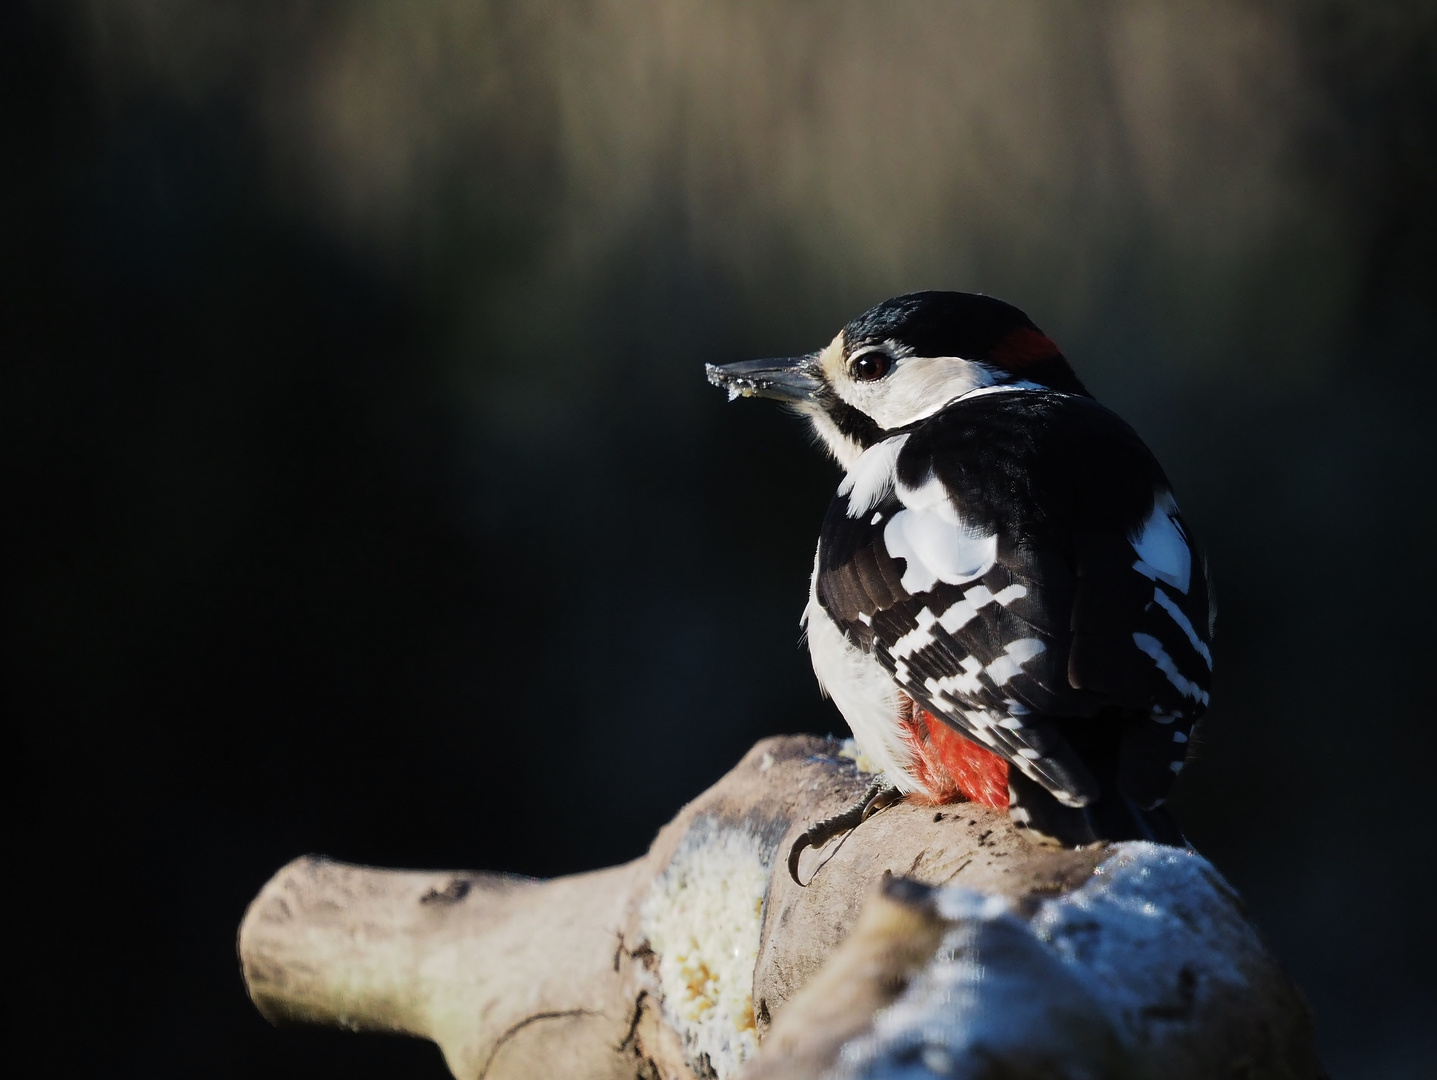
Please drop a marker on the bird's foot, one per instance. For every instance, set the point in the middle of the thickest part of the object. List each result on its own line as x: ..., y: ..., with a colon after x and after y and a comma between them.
x: 880, y: 794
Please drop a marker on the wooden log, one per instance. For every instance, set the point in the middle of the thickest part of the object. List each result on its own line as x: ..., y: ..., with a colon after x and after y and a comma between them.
x: 931, y: 941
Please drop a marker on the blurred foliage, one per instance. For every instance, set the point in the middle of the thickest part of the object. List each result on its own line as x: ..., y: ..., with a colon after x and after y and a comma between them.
x: 368, y: 497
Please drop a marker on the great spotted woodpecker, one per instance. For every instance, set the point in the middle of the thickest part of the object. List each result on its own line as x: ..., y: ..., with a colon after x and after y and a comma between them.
x: 1005, y: 604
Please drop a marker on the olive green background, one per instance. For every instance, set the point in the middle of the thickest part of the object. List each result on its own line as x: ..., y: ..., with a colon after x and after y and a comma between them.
x: 365, y: 496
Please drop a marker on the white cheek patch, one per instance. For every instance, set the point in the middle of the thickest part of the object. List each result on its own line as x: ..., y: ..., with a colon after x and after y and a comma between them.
x: 1161, y: 547
x: 917, y: 387
x: 934, y: 542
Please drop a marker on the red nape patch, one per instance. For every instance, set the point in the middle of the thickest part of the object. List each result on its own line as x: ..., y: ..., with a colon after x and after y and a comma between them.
x: 949, y: 766
x: 1023, y: 347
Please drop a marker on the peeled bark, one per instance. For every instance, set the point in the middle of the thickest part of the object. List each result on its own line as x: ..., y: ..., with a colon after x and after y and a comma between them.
x: 927, y: 942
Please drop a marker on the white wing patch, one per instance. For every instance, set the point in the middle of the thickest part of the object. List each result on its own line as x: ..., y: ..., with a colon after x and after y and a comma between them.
x: 1161, y: 547
x: 1154, y: 648
x: 1166, y: 602
x: 934, y: 542
x: 1015, y: 655
x: 979, y: 596
x: 920, y: 637
x: 965, y: 683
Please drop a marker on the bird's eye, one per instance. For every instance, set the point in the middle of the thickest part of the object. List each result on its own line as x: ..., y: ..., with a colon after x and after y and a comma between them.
x: 871, y: 366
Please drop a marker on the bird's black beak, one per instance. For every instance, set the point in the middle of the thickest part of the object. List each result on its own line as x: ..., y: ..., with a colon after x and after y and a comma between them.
x: 793, y: 379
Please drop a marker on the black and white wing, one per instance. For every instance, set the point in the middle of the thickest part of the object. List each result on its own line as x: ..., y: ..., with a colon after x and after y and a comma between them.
x: 1017, y: 563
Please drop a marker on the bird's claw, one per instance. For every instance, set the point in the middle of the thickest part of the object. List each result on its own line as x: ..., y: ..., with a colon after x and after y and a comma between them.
x: 880, y: 795
x: 882, y: 798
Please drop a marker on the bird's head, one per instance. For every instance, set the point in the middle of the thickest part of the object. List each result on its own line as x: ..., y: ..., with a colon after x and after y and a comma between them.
x: 902, y: 361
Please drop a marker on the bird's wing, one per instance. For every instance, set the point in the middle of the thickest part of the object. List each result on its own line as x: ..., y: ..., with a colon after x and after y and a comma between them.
x: 1001, y: 619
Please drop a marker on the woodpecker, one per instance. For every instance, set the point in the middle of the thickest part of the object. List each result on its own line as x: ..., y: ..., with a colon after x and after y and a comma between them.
x: 1006, y: 604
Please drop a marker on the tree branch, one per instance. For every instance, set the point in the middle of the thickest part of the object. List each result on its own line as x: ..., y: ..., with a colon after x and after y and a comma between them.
x: 928, y: 940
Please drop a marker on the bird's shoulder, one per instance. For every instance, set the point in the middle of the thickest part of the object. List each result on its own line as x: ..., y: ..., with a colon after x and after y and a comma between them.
x: 1032, y: 457
x: 1031, y: 466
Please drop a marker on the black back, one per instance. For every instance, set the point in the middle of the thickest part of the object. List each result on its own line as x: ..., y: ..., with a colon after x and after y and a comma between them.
x: 1065, y: 486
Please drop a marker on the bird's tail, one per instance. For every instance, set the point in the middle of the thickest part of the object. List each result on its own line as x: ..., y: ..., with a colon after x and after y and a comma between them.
x: 1130, y: 806
x: 1111, y: 817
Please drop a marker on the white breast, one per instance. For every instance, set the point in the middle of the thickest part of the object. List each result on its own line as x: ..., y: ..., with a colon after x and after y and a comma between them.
x: 863, y: 691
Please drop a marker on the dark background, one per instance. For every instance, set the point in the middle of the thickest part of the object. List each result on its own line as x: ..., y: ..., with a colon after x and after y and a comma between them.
x: 364, y: 496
